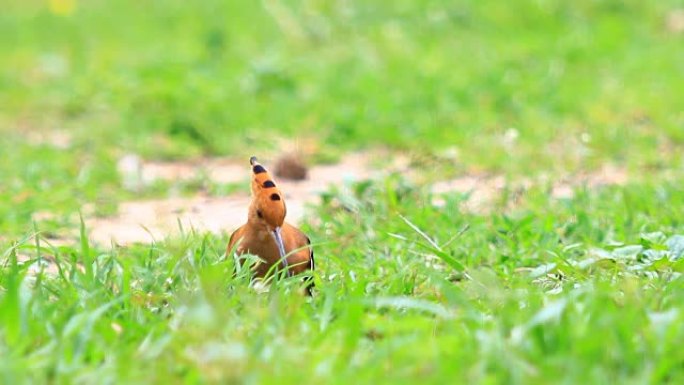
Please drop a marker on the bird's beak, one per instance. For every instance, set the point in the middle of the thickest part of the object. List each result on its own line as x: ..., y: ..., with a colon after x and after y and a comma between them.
x: 281, y: 246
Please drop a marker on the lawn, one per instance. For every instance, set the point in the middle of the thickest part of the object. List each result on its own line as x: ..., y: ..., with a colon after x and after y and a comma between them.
x: 411, y: 285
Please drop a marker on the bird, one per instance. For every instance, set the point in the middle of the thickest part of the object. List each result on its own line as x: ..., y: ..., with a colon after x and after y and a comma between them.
x: 267, y: 235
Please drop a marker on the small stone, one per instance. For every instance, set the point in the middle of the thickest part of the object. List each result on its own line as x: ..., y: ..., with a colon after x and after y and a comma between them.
x: 290, y: 166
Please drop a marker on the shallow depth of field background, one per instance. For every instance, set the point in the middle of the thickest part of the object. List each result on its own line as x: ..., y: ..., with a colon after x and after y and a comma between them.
x: 559, y: 262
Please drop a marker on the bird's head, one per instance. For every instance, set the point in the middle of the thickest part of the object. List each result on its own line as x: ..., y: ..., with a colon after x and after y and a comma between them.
x: 267, y: 210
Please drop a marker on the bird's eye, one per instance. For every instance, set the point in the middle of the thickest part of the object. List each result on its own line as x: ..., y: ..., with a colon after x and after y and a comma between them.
x: 259, y: 214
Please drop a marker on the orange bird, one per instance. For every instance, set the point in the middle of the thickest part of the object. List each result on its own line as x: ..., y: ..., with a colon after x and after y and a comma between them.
x: 267, y: 235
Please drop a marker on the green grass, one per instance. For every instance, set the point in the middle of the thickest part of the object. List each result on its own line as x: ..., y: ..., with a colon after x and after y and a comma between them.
x: 535, y: 290
x: 574, y: 291
x: 537, y: 86
x: 175, y: 79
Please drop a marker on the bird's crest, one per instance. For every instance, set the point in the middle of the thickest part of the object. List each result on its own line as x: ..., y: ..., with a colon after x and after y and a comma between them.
x: 268, y: 202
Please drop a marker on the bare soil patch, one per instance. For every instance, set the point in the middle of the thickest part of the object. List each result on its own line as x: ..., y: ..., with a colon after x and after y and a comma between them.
x: 150, y: 220
x: 674, y: 21
x: 146, y: 221
x: 59, y: 139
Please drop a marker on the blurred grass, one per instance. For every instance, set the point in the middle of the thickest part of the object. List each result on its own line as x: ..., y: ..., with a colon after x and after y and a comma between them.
x: 580, y: 290
x: 519, y: 88
x: 573, y: 291
x: 172, y: 79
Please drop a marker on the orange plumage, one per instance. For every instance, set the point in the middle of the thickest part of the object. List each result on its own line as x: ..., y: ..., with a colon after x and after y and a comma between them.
x: 267, y: 235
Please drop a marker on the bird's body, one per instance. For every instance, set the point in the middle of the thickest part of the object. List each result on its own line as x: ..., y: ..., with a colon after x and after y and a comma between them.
x: 266, y: 234
x: 260, y: 243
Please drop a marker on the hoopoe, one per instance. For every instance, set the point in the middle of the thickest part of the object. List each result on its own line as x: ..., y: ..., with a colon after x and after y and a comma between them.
x: 267, y: 235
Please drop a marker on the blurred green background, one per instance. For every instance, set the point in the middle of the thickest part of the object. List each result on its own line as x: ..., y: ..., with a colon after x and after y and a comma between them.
x: 520, y: 88
x: 579, y: 289
x: 172, y: 78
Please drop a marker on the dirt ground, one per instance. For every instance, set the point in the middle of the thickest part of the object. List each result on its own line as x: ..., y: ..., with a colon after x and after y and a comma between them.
x: 149, y: 220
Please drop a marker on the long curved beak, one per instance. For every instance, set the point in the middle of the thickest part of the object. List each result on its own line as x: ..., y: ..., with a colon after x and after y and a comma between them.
x: 281, y: 248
